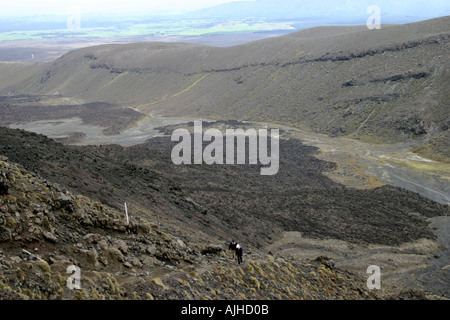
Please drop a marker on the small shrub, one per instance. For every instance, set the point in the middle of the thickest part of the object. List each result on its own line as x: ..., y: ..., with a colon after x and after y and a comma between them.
x: 44, y: 266
x: 159, y: 282
x: 20, y: 274
x: 255, y: 282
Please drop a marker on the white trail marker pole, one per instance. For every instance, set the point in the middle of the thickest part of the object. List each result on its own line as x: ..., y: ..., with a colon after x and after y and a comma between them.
x: 126, y: 213
x: 30, y: 254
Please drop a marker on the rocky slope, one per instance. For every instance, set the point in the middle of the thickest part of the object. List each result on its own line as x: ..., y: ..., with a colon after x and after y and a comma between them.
x: 45, y: 229
x: 174, y: 247
x: 228, y: 201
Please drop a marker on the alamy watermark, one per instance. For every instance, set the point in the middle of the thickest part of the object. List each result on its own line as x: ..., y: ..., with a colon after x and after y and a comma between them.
x: 74, y: 20
x: 374, y: 20
x: 236, y: 153
x: 74, y: 281
x: 374, y: 281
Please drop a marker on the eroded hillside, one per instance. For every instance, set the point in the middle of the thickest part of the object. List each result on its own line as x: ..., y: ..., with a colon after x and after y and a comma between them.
x: 385, y: 85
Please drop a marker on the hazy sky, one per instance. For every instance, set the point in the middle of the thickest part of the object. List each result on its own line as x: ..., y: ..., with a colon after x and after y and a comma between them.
x: 62, y: 7
x: 86, y: 6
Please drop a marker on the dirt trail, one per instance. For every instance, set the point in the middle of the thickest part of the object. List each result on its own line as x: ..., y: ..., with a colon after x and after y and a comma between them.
x: 401, y: 266
x: 437, y: 274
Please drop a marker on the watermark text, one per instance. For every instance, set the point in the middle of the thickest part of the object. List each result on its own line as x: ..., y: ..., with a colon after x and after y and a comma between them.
x: 234, y: 147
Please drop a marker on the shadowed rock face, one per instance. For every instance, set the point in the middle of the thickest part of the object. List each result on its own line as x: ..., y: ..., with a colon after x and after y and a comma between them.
x: 3, y: 187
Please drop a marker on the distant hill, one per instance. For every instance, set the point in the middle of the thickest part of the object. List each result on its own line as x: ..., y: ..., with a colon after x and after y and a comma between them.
x: 388, y: 85
x: 329, y: 9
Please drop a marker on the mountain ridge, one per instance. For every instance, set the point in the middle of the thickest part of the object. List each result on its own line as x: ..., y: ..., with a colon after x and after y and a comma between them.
x: 383, y: 85
x: 290, y: 9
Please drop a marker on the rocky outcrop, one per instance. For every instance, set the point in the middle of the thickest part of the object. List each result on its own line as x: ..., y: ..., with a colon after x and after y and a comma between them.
x: 44, y: 229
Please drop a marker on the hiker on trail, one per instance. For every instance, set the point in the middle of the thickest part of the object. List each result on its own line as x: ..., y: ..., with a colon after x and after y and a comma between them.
x: 239, y: 252
x: 232, y: 248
